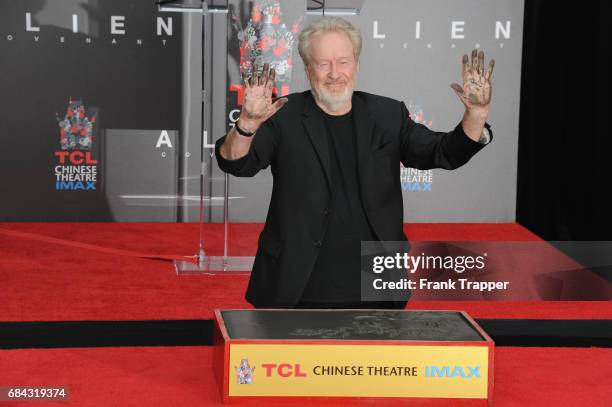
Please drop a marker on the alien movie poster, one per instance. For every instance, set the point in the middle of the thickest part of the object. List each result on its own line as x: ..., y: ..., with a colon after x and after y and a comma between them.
x: 80, y: 81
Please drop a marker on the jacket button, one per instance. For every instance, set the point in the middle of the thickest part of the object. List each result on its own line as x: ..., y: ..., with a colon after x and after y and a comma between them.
x: 317, y: 244
x: 326, y: 212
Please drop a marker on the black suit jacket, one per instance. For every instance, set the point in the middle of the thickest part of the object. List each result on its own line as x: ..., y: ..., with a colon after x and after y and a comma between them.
x: 294, y: 143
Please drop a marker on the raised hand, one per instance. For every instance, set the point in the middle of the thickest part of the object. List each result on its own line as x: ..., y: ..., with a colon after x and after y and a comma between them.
x: 476, y: 90
x: 258, y: 105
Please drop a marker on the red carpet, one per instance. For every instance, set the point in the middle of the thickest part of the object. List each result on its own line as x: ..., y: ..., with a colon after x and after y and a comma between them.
x: 180, y: 376
x: 43, y: 281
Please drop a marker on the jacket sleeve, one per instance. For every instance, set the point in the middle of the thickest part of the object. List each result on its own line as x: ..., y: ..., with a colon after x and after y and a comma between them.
x: 260, y: 155
x: 424, y: 149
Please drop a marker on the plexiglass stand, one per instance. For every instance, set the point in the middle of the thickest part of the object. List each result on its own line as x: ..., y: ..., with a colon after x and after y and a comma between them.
x: 212, y: 265
x: 207, y: 265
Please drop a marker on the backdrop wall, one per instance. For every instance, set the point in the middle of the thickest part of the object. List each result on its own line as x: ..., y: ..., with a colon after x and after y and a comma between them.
x: 134, y: 75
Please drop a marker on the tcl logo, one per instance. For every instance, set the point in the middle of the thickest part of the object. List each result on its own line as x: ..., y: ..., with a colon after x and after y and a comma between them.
x: 283, y: 370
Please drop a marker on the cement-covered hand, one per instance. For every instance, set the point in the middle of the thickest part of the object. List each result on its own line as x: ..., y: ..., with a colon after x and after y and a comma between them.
x: 258, y: 105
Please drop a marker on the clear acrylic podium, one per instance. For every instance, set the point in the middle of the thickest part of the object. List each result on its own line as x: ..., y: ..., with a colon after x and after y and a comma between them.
x: 205, y: 264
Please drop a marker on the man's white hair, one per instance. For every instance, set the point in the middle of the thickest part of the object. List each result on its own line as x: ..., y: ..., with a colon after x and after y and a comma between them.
x: 328, y: 24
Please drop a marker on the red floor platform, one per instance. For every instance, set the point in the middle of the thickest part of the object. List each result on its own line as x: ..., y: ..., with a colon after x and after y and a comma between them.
x: 182, y: 376
x: 46, y: 280
x: 49, y: 280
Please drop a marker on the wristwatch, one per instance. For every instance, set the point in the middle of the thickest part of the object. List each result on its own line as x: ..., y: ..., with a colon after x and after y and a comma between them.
x: 242, y: 132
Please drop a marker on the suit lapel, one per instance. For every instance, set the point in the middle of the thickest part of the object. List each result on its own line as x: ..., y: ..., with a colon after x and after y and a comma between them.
x: 363, y: 125
x: 315, y: 128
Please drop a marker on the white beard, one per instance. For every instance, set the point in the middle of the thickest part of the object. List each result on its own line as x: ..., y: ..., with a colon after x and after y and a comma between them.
x: 331, y: 100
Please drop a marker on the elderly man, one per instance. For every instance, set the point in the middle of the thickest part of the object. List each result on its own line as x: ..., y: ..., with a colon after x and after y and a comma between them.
x: 334, y: 155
